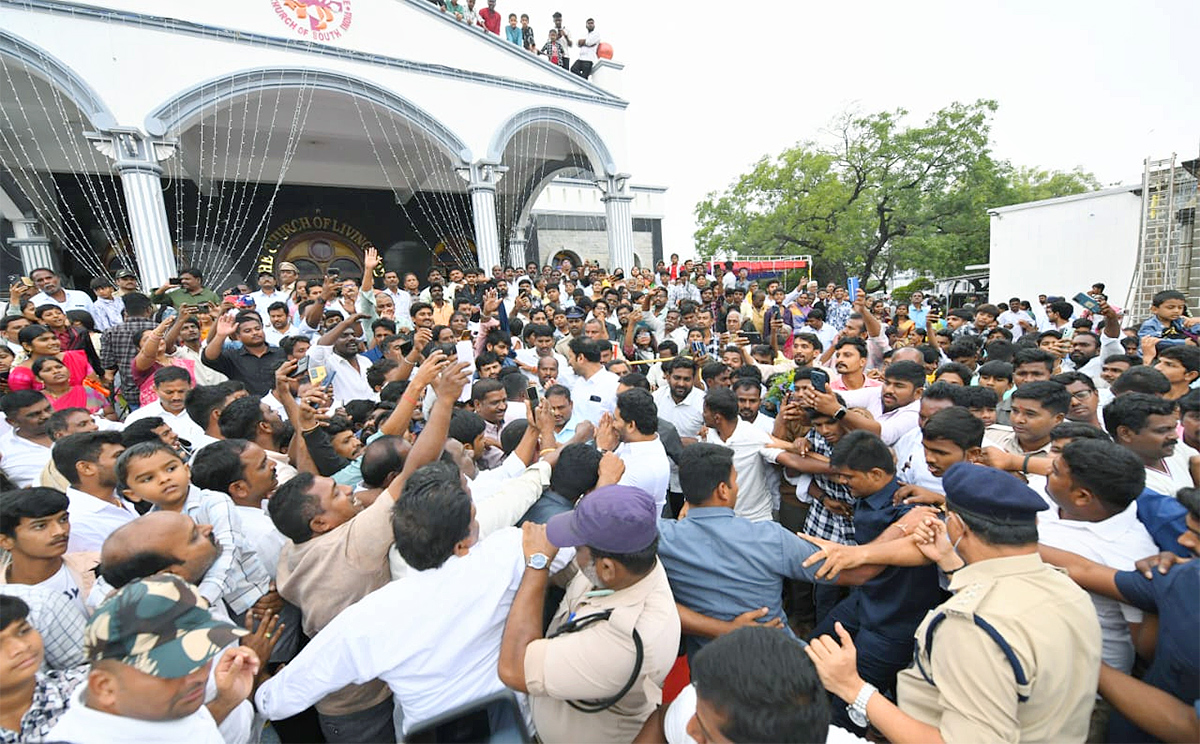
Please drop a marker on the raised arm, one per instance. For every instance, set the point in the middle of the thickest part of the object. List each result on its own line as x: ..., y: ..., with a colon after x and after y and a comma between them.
x: 332, y: 334
x: 399, y: 419
x: 448, y: 385
x: 172, y: 337
x: 224, y: 328
x: 148, y: 353
x: 315, y: 311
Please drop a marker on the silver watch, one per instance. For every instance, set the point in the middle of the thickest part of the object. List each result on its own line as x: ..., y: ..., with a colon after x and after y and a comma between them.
x: 537, y: 561
x: 857, y: 711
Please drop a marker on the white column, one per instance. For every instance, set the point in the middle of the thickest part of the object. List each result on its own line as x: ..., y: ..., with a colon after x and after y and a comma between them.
x: 618, y: 212
x: 482, y: 178
x: 516, y: 247
x: 31, y: 240
x: 137, y: 158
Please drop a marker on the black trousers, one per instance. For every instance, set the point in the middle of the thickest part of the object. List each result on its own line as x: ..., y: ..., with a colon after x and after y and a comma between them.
x: 582, y: 69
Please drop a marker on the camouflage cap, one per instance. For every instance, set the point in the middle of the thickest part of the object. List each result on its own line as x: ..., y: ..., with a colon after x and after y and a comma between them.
x: 159, y: 625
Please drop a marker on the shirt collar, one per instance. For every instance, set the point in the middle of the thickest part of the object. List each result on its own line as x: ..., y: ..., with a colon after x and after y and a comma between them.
x: 995, y: 568
x: 710, y: 512
x: 882, y: 498
x: 630, y: 596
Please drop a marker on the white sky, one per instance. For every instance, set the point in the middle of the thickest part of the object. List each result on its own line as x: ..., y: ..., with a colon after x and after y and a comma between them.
x: 714, y: 86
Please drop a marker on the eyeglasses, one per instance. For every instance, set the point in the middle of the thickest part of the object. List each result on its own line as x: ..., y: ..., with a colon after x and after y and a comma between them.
x: 1082, y: 395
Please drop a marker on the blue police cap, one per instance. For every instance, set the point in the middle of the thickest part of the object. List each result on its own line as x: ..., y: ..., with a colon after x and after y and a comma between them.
x: 989, y: 492
x: 575, y: 312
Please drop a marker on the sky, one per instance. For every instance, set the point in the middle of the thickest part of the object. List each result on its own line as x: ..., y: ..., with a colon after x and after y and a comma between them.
x: 712, y: 87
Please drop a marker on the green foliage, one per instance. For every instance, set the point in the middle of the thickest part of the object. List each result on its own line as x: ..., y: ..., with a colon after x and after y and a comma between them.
x: 879, y: 196
x: 904, y: 291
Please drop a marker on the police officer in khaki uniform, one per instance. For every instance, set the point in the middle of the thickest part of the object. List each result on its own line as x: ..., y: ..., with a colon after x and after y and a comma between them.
x: 1013, y: 656
x: 599, y: 672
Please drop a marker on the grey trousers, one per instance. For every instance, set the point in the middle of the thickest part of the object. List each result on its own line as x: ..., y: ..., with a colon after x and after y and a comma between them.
x: 370, y: 725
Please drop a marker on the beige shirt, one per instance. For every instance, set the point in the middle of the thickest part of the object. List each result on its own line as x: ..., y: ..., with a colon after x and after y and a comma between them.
x: 596, y: 662
x: 1005, y: 438
x: 328, y: 573
x: 1051, y: 626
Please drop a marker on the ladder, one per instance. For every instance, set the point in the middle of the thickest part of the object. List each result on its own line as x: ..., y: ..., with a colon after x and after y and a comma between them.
x: 1165, y: 245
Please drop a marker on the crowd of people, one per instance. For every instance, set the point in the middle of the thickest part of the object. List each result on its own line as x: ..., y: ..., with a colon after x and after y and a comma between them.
x: 657, y: 505
x: 558, y: 45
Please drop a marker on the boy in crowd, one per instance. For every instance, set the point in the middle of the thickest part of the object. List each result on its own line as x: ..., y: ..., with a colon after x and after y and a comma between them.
x: 1166, y: 321
x: 999, y: 377
x: 152, y: 471
x: 1036, y: 408
x: 35, y: 530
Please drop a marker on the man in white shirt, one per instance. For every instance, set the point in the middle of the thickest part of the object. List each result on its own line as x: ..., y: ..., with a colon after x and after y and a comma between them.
x: 595, y: 390
x: 587, y: 51
x: 631, y: 432
x: 172, y: 385
x: 1095, y: 485
x: 680, y: 403
x: 25, y: 449
x: 400, y: 296
x: 52, y: 292
x: 266, y: 295
x: 441, y: 647
x: 338, y: 351
x: 1148, y: 426
x: 151, y: 647
x: 88, y: 461
x: 278, y: 323
x: 752, y: 463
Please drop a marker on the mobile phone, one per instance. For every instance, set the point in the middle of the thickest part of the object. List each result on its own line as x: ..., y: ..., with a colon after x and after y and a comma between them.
x: 531, y: 393
x: 697, y: 348
x: 1087, y: 302
x: 819, y: 380
x: 243, y: 301
x: 301, y: 368
x: 173, y: 280
x: 466, y: 335
x: 333, y: 271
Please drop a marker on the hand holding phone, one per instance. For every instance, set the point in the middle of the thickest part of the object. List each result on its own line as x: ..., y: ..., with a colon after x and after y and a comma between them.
x: 820, y: 378
x: 1088, y: 303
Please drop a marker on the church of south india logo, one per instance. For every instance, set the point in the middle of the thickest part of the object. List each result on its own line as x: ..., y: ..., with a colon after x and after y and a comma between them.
x: 318, y: 20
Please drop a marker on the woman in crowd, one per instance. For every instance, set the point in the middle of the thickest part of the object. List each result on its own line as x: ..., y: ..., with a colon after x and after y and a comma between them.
x: 57, y: 386
x: 40, y: 342
x: 156, y: 349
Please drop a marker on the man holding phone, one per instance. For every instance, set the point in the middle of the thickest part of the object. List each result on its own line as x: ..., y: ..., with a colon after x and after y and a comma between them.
x: 186, y: 289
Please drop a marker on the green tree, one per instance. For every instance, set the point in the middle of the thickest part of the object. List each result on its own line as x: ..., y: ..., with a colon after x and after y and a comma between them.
x: 878, y: 196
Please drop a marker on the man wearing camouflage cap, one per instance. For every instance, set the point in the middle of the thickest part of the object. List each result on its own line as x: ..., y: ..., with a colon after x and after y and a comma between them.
x: 151, y: 646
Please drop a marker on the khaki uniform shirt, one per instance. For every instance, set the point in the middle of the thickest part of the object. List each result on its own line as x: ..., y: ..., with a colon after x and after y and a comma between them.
x: 563, y: 346
x: 1007, y: 439
x: 968, y: 688
x: 596, y: 662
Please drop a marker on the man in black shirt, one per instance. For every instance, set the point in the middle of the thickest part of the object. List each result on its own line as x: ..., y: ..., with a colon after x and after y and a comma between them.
x: 254, y: 363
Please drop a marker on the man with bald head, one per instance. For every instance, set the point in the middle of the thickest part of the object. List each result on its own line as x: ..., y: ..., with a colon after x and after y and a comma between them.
x: 158, y: 542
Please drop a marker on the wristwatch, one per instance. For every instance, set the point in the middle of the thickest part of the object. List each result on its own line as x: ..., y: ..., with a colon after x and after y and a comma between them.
x: 537, y: 561
x: 840, y: 414
x: 857, y: 711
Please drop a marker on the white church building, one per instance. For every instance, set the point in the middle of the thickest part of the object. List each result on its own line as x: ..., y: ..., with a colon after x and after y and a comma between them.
x: 230, y: 135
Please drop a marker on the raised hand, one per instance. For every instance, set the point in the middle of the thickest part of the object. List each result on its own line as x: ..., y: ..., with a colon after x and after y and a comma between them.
x: 607, y: 437
x: 370, y: 261
x: 429, y: 370
x: 930, y: 537
x: 421, y: 339
x: 263, y: 639
x: 611, y: 469
x: 226, y: 325
x: 450, y: 383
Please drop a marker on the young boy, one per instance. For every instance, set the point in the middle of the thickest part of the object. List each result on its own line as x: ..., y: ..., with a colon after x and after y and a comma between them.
x: 35, y: 530
x: 153, y: 472
x: 981, y: 402
x: 999, y: 377
x: 1180, y: 364
x: 107, y: 309
x: 1167, y: 321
